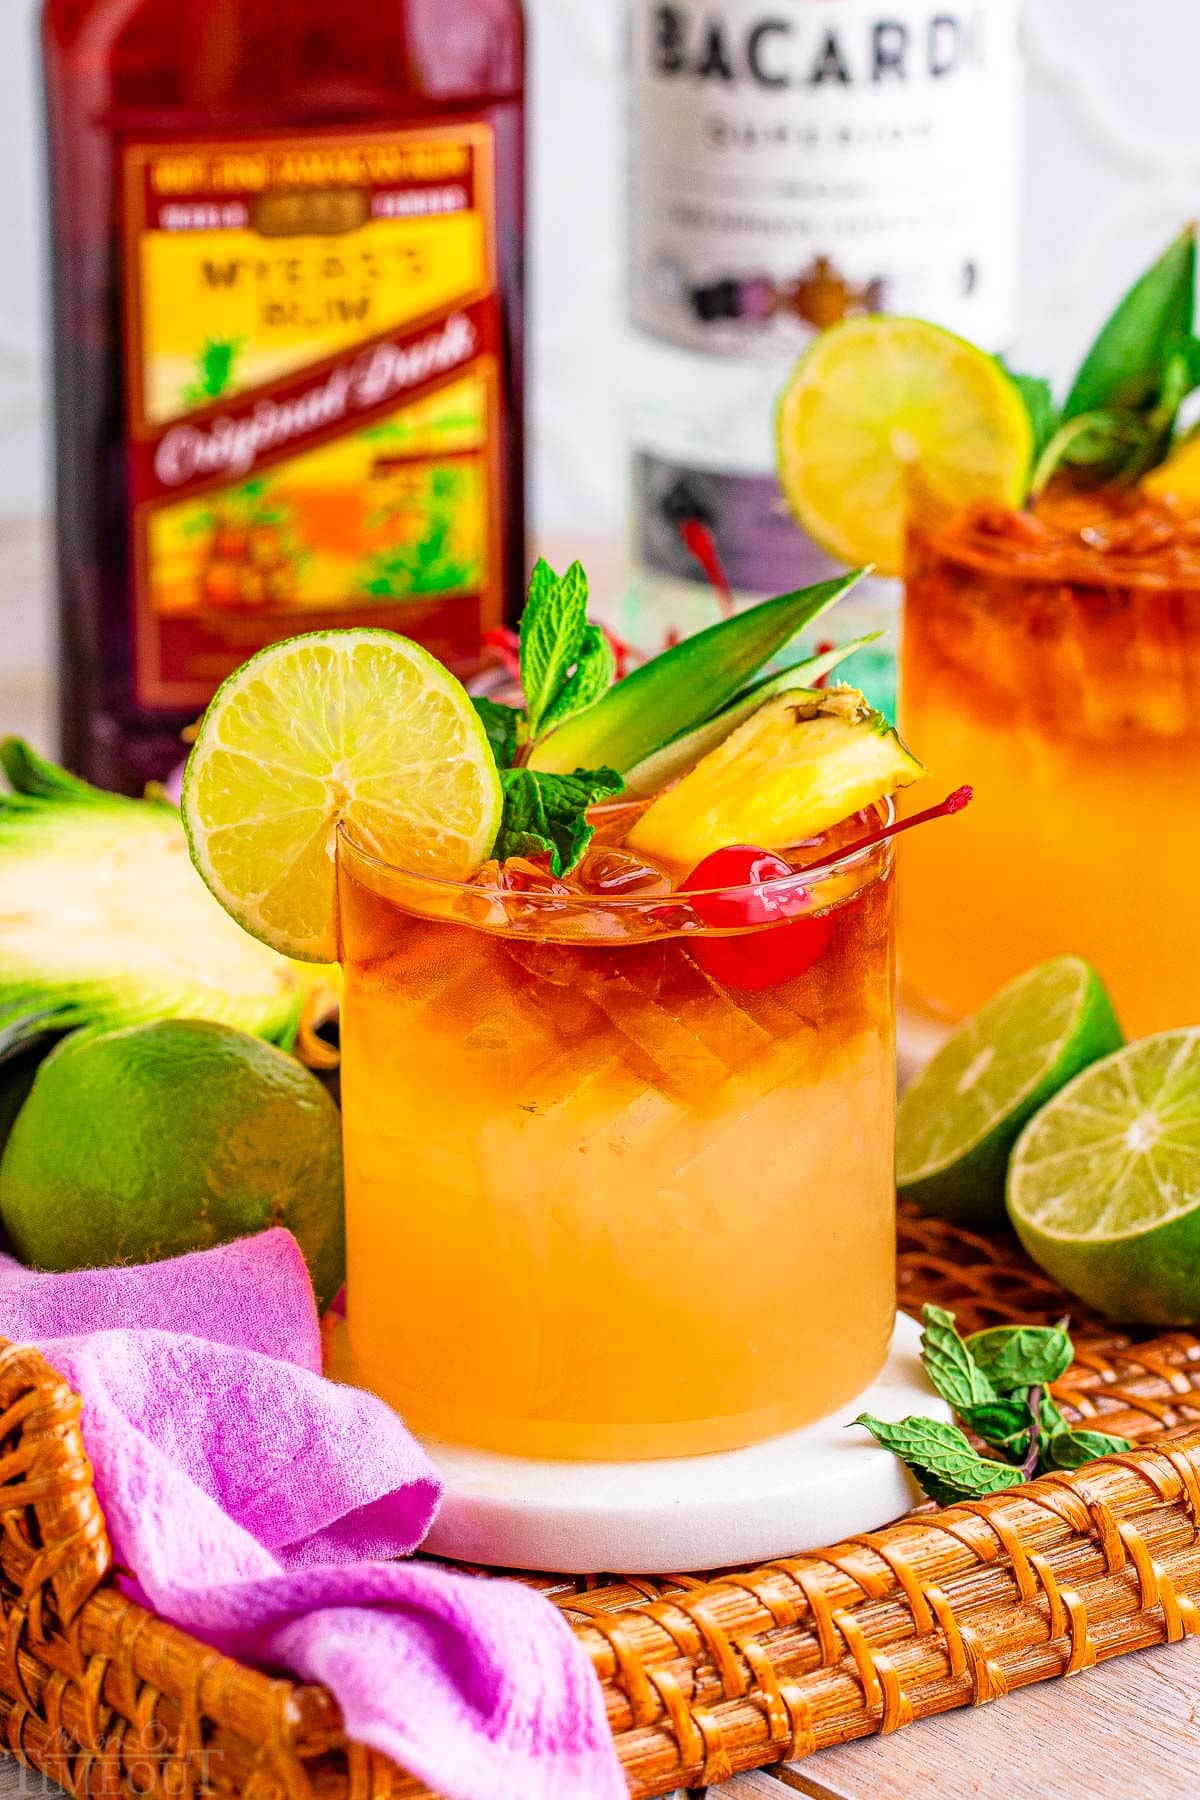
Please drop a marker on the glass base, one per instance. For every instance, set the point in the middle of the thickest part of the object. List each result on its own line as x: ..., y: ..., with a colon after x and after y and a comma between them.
x: 796, y: 1492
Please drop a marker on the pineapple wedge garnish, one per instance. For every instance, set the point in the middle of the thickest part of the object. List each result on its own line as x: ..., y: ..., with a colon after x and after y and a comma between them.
x: 805, y: 761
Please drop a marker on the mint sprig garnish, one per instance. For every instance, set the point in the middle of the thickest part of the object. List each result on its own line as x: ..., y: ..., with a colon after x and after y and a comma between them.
x: 996, y: 1382
x: 1119, y: 419
x: 566, y: 665
x: 578, y: 735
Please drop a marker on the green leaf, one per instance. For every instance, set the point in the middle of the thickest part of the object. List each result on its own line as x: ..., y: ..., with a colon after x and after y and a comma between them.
x: 657, y: 771
x: 1022, y: 1356
x: 1124, y: 369
x: 503, y: 726
x: 552, y: 632
x: 1062, y: 1448
x: 1107, y: 444
x: 949, y: 1364
x: 1038, y: 396
x: 942, y: 1459
x: 1002, y: 1424
x: 31, y: 774
x: 1072, y: 1449
x: 1052, y: 1418
x: 68, y: 850
x: 685, y: 685
x: 1181, y: 376
x: 594, y: 671
x: 545, y: 815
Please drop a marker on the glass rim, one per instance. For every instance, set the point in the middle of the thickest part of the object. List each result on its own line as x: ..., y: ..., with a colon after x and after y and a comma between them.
x: 781, y: 885
x: 1060, y: 561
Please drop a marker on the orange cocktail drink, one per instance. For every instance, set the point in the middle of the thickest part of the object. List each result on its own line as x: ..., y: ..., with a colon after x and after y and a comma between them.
x: 1053, y: 659
x: 600, y: 1203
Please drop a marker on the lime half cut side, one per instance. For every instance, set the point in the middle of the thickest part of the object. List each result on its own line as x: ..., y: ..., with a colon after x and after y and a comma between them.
x: 880, y: 406
x: 1104, y: 1185
x: 360, y: 726
x: 960, y: 1118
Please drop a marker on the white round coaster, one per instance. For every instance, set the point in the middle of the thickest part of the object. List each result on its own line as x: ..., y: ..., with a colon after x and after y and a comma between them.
x: 792, y: 1493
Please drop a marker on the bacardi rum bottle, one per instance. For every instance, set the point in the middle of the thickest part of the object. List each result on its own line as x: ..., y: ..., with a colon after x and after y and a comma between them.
x: 793, y: 162
x: 288, y: 255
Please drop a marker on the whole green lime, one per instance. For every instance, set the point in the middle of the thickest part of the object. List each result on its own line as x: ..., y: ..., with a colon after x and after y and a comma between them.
x: 143, y: 1143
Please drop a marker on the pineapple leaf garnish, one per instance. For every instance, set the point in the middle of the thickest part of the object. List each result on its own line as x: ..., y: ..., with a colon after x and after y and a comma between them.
x: 684, y: 686
x: 1119, y: 418
x: 996, y: 1382
x: 1127, y: 369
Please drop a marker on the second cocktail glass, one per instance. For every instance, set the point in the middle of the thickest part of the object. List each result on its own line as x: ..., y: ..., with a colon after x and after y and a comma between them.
x: 1054, y: 658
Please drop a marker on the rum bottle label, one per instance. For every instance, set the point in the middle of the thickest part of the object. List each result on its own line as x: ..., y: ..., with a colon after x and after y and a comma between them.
x: 798, y: 162
x: 313, y: 395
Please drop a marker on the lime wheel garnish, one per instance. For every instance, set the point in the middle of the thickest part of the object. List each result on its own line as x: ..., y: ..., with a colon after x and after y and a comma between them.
x: 359, y: 728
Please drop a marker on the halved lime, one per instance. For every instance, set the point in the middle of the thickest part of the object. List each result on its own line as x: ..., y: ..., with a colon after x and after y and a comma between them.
x: 879, y: 404
x: 1104, y: 1185
x: 960, y: 1118
x: 362, y: 726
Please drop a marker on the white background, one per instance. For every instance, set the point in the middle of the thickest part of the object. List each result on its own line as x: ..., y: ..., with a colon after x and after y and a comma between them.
x: 1113, y: 167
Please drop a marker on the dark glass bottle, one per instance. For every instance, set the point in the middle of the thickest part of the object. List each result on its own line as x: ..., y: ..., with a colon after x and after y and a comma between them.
x: 288, y: 273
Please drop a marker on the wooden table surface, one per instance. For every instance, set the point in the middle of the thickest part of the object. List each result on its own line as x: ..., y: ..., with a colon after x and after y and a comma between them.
x: 1125, y: 1731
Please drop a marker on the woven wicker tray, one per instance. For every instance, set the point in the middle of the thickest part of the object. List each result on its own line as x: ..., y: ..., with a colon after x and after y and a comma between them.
x: 702, y: 1677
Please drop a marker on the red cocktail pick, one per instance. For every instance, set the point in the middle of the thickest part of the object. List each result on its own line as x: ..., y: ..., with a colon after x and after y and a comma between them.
x: 769, y: 958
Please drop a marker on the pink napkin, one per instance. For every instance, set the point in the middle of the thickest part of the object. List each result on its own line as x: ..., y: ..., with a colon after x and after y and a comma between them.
x: 261, y: 1507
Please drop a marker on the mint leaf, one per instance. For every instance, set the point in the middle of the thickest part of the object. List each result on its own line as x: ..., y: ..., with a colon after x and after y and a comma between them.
x: 1015, y: 1357
x: 1002, y: 1424
x: 941, y: 1458
x: 949, y: 1364
x: 503, y: 726
x: 553, y: 626
x: 1062, y: 1448
x: 1038, y: 396
x: 545, y: 815
x: 595, y: 669
x: 1052, y: 1418
x: 1069, y: 1449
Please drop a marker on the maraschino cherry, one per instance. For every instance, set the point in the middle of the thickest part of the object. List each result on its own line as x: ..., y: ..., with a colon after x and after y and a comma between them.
x: 737, y: 888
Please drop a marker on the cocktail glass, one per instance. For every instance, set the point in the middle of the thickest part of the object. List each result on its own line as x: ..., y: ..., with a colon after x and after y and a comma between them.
x: 600, y: 1204
x: 1053, y: 660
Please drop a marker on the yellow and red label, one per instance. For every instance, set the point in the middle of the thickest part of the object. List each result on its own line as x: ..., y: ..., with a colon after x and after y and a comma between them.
x: 313, y: 392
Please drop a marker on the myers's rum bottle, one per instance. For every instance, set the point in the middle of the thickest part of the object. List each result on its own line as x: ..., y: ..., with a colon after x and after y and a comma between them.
x: 288, y: 262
